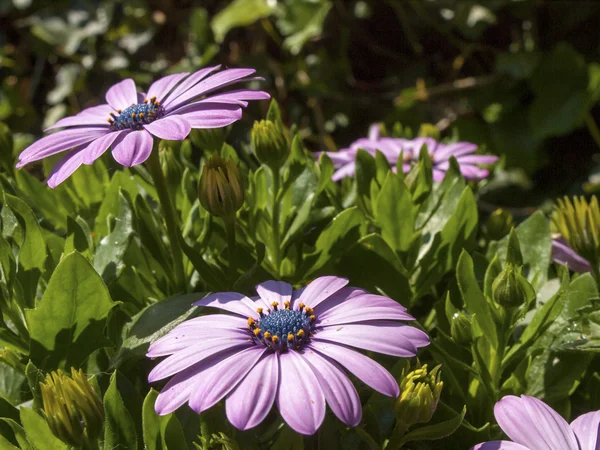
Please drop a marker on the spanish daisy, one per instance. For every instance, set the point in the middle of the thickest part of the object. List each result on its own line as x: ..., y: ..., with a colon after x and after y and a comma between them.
x: 533, y: 425
x: 130, y: 120
x: 287, y: 347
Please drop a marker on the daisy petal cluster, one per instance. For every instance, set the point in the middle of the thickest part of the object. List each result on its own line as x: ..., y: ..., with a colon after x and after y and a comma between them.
x: 130, y: 120
x: 292, y: 348
x: 464, y: 152
x: 533, y: 425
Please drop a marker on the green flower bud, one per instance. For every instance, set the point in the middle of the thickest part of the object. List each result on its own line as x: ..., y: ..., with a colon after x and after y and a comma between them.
x: 269, y: 143
x: 72, y: 407
x: 511, y: 289
x: 499, y: 224
x: 419, y: 395
x: 429, y: 130
x: 171, y: 165
x: 220, y: 189
x: 460, y: 328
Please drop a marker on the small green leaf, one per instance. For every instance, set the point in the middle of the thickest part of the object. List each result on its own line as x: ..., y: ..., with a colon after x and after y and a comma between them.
x: 436, y: 431
x: 119, y: 431
x: 38, y: 432
x: 34, y: 378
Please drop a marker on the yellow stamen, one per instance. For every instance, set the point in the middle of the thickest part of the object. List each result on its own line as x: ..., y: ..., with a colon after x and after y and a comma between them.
x: 260, y: 311
x: 300, y: 334
x: 313, y: 318
x: 290, y: 337
x: 275, y: 339
x: 141, y: 115
x: 309, y: 311
x: 301, y: 306
x: 133, y: 115
x: 257, y: 332
x: 251, y: 322
x: 146, y: 101
x: 275, y: 305
x: 267, y: 335
x: 119, y: 111
x: 287, y: 305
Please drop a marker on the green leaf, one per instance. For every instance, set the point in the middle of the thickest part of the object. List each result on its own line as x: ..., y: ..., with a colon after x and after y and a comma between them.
x: 68, y: 322
x: 475, y: 301
x: 19, y: 433
x: 121, y: 181
x: 34, y: 378
x: 395, y: 213
x: 161, y: 432
x: 513, y: 250
x: 303, y: 21
x: 239, y: 13
x: 120, y: 430
x: 436, y: 431
x: 38, y: 432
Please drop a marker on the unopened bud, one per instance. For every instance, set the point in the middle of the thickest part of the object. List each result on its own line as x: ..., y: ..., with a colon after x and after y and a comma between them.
x: 269, y: 143
x: 420, y: 392
x: 510, y: 289
x: 460, y: 328
x: 429, y: 130
x: 220, y: 190
x: 499, y: 224
x: 170, y: 164
x: 72, y: 407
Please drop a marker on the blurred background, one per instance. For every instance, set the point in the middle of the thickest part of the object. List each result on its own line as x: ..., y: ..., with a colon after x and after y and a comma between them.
x: 520, y: 77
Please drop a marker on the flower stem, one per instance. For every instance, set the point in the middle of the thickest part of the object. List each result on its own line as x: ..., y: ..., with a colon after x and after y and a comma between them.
x: 397, y: 435
x: 170, y: 214
x: 231, y: 247
x: 275, y: 221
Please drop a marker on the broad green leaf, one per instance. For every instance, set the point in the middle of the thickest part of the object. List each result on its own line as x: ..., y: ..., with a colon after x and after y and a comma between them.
x: 239, y: 13
x: 121, y: 180
x: 49, y: 203
x: 437, y: 431
x: 11, y: 384
x: 68, y: 322
x: 5, y: 445
x: 38, y: 432
x: 161, y: 432
x: 120, y: 429
x: 18, y: 432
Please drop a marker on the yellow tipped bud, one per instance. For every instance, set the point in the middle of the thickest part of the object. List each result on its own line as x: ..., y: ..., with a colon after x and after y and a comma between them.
x: 499, y: 224
x: 420, y: 392
x: 269, y: 143
x: 220, y: 190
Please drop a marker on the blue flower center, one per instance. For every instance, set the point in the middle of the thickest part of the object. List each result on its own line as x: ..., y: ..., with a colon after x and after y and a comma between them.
x: 134, y: 116
x: 283, y: 329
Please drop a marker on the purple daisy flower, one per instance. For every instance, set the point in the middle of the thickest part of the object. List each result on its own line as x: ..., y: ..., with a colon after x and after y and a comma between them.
x: 565, y: 255
x: 533, y: 425
x: 130, y: 120
x: 285, y: 347
x: 464, y: 152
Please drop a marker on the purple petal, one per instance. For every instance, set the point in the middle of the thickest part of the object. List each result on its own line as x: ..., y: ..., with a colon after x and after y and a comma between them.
x: 221, y: 378
x: 477, y: 159
x: 66, y: 166
x: 239, y: 97
x: 363, y: 308
x: 565, y: 255
x: 364, y: 368
x: 97, y: 148
x: 340, y: 158
x: 468, y: 171
x: 319, y: 290
x: 98, y: 117
x: 438, y: 175
x: 216, y: 81
x: 58, y: 142
x: 96, y: 111
x: 230, y: 301
x: 275, y: 292
x: 587, y: 428
x: 300, y: 398
x: 209, y: 115
x: 188, y: 83
x: 343, y: 172
x: 374, y: 130
x: 530, y: 422
x: 171, y: 128
x: 341, y: 296
x: 133, y: 149
x: 339, y: 391
x: 390, y: 338
x: 161, y: 87
x: 180, y: 388
x: 193, y: 354
x: 251, y: 400
x: 499, y: 445
x: 122, y: 94
x: 444, y: 152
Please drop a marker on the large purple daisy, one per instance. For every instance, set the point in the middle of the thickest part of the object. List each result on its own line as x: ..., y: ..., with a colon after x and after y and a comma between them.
x: 130, y: 120
x: 464, y: 152
x: 285, y: 347
x: 533, y: 425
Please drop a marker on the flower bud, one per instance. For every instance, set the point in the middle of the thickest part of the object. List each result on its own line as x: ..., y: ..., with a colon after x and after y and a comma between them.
x: 72, y: 407
x: 220, y: 189
x: 170, y: 164
x: 419, y: 395
x: 510, y: 289
x: 460, y: 328
x: 269, y: 143
x: 429, y: 130
x: 499, y: 224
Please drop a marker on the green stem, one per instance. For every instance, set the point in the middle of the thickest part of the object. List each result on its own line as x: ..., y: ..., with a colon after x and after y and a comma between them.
x: 397, y: 435
x: 275, y: 222
x: 160, y: 183
x: 367, y: 438
x: 592, y: 128
x: 90, y: 444
x: 231, y: 247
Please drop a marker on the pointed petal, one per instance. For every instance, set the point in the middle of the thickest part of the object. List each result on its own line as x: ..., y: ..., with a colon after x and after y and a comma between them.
x: 340, y: 297
x: 210, y: 115
x: 389, y: 338
x: 444, y: 152
x: 180, y: 340
x: 477, y: 159
x: 374, y: 131
x: 66, y: 166
x: 275, y: 292
x: 251, y: 400
x: 344, y: 171
x: 188, y: 83
x: 171, y: 128
x: 122, y: 94
x: 232, y: 302
x: 587, y: 428
x: 530, y: 422
x: 363, y: 308
x: 499, y: 445
x: 224, y: 376
x: 300, y: 399
x: 133, y: 149
x: 364, y: 368
x: 96, y: 116
x: 97, y: 148
x: 319, y: 290
x: 161, y: 87
x: 339, y: 391
x: 565, y: 255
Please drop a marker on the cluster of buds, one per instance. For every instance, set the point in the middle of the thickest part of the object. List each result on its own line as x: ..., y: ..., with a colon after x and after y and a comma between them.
x: 420, y: 392
x: 72, y: 407
x: 220, y: 190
